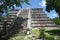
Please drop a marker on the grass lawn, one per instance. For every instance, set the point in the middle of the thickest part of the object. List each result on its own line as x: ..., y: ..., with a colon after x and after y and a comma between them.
x: 35, y: 32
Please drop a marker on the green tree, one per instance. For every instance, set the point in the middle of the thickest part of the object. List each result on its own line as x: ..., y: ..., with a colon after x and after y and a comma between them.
x: 56, y: 20
x: 6, y: 4
x: 53, y: 5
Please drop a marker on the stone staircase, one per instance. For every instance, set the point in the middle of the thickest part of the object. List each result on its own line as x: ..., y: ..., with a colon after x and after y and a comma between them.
x: 37, y: 17
x: 8, y: 20
x: 40, y: 19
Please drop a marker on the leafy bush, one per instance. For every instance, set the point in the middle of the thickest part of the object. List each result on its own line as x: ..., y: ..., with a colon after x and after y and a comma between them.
x: 49, y: 38
x: 35, y: 31
x: 54, y: 32
x: 1, y: 18
x: 56, y: 20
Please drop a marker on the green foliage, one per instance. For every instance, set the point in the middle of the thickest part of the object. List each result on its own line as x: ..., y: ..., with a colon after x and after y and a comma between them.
x: 1, y: 18
x: 56, y: 20
x: 49, y: 38
x: 35, y: 31
x: 6, y: 4
x: 54, y: 32
x: 49, y: 34
x: 53, y: 5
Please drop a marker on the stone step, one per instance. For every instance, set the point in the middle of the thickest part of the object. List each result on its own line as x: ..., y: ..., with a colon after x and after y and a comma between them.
x: 38, y: 16
x: 44, y: 25
x: 6, y: 24
x: 24, y: 16
x: 38, y: 13
x: 9, y: 18
x: 7, y: 21
x: 39, y: 19
x: 12, y: 15
x: 42, y: 21
x: 51, y: 28
x: 1, y: 23
x: 24, y: 11
x: 3, y: 27
x: 13, y: 12
x: 33, y: 15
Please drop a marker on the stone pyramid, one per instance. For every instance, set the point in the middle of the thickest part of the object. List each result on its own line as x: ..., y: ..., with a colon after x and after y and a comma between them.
x: 40, y: 19
x: 37, y: 18
x: 8, y: 20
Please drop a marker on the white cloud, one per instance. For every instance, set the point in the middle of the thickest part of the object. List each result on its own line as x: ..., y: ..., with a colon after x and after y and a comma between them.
x: 43, y: 3
x: 55, y: 15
